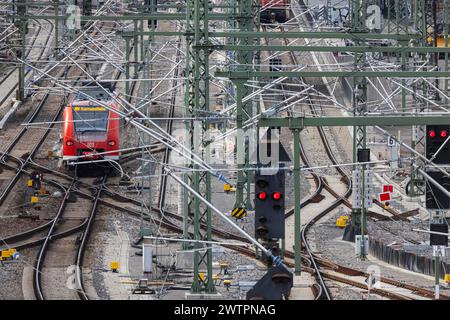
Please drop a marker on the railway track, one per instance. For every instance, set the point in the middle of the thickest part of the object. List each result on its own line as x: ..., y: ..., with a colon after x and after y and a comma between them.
x: 169, y: 128
x: 95, y: 198
x: 64, y: 251
x: 343, y: 200
x: 340, y: 200
x: 117, y: 202
x: 34, y: 236
x: 26, y: 143
x: 60, y: 230
x: 322, y: 292
x: 12, y: 73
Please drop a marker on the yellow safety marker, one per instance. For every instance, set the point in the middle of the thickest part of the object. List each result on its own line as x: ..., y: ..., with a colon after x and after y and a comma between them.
x: 30, y: 183
x: 216, y: 277
x: 239, y: 213
x: 201, y: 276
x: 114, y: 266
x: 34, y: 199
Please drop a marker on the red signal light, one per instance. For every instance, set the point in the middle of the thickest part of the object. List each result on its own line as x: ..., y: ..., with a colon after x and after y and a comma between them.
x: 276, y: 195
x: 432, y: 134
x: 444, y: 134
x: 262, y: 195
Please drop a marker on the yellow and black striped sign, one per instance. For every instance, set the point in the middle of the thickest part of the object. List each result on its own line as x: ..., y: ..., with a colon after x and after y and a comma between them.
x: 239, y: 213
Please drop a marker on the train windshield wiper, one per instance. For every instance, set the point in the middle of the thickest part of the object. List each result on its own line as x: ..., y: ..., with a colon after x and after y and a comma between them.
x: 90, y: 130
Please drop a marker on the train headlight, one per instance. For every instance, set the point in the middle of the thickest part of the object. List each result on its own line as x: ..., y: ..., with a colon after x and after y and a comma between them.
x: 69, y: 143
x: 112, y: 143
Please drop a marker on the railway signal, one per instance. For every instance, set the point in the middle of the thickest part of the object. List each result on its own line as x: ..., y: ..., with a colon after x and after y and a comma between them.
x: 269, y: 205
x: 385, y: 196
x: 436, y: 150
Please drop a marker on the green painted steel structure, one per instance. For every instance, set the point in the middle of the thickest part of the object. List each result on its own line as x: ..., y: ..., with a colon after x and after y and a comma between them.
x: 242, y: 14
x: 197, y: 105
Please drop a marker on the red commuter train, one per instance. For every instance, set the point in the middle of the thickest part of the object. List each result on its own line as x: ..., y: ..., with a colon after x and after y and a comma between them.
x: 90, y: 130
x: 274, y: 11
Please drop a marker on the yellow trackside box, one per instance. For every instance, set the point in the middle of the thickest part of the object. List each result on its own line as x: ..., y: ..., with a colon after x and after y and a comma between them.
x: 447, y: 278
x: 341, y: 222
x: 227, y: 282
x: 30, y: 183
x: 6, y: 254
x: 114, y: 265
x: 228, y: 188
x: 34, y: 199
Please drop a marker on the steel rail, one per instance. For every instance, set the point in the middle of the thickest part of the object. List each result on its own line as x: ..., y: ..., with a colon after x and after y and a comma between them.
x: 8, y: 94
x: 85, y: 238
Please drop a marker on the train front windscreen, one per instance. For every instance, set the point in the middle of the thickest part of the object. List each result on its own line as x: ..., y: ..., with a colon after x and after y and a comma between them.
x: 90, y: 119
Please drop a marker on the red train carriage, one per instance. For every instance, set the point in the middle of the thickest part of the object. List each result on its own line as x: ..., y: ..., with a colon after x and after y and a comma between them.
x: 90, y: 130
x: 274, y: 11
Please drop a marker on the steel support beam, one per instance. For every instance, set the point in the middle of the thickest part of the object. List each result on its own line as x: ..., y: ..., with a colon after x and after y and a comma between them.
x: 358, y: 10
x: 22, y: 25
x: 196, y: 212
x: 244, y: 110
x: 292, y: 35
x: 302, y: 122
x: 297, y: 200
x: 355, y: 49
x: 318, y: 74
x: 423, y: 24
